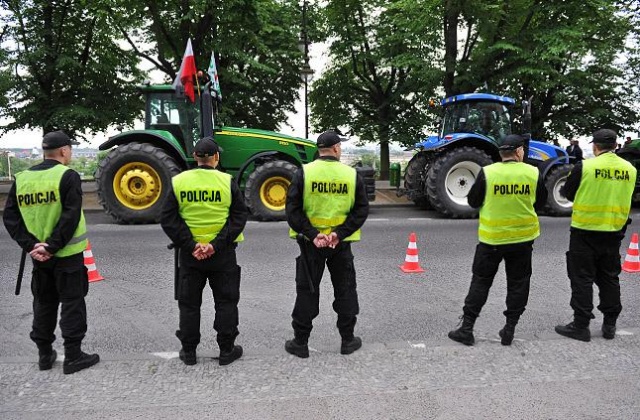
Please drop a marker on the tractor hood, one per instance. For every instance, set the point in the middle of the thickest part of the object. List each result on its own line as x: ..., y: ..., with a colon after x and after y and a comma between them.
x: 263, y: 135
x: 435, y: 142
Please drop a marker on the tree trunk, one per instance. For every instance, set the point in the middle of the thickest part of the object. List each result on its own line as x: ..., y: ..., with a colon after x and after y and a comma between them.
x: 384, y: 152
x: 451, y: 13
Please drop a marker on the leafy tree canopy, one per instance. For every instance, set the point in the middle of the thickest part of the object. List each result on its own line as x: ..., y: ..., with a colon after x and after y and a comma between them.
x: 61, y: 67
x: 380, y: 76
x: 255, y: 42
x: 579, y: 61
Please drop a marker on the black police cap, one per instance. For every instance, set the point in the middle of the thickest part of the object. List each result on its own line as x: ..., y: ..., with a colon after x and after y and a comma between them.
x: 328, y: 139
x: 56, y: 139
x: 206, y: 147
x: 512, y: 142
x: 604, y: 136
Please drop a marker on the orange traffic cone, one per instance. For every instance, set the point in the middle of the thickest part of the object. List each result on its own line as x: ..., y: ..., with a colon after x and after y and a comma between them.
x: 411, y: 264
x: 90, y: 263
x: 632, y: 259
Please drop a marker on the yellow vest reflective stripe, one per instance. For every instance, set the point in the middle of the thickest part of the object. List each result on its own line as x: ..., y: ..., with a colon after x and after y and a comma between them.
x: 507, y: 215
x: 39, y: 201
x: 329, y: 195
x: 204, y: 199
x: 603, y: 199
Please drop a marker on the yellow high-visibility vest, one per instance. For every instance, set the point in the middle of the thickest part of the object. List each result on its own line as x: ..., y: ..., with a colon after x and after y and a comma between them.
x: 507, y: 215
x: 329, y: 195
x: 38, y: 195
x: 204, y: 199
x: 603, y: 199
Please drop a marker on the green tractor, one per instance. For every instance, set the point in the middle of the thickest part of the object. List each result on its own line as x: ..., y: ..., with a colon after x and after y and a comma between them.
x: 133, y: 178
x: 631, y: 152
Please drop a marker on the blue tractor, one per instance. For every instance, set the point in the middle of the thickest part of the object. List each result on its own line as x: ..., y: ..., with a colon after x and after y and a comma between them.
x: 446, y: 165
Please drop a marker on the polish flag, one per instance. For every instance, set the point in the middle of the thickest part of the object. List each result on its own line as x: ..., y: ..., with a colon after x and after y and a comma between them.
x: 187, y: 73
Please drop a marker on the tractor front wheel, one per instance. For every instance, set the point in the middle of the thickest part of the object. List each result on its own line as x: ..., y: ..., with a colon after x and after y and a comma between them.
x: 266, y: 189
x: 133, y: 181
x: 557, y: 204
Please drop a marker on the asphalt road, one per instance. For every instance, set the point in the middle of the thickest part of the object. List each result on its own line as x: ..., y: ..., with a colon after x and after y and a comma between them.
x: 407, y: 367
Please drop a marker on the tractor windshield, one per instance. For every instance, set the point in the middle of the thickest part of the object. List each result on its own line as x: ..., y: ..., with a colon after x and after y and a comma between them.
x: 491, y: 119
x: 175, y: 115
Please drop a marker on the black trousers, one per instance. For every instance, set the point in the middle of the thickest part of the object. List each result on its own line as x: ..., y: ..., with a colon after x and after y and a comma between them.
x: 517, y: 264
x: 59, y: 282
x: 594, y: 258
x: 311, y: 261
x: 223, y: 274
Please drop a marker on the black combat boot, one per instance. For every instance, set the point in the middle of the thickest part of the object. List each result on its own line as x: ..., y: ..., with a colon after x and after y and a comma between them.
x: 79, y: 362
x: 229, y: 356
x: 297, y: 348
x: 464, y: 334
x: 609, y: 331
x: 572, y: 331
x: 609, y: 327
x: 506, y: 334
x: 188, y: 357
x: 350, y: 345
x: 46, y: 359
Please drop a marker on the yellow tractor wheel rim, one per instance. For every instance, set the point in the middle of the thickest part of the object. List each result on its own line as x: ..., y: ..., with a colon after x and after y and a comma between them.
x: 137, y: 185
x: 273, y: 192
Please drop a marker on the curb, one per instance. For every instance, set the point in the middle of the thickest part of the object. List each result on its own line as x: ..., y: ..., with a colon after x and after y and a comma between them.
x: 384, y: 198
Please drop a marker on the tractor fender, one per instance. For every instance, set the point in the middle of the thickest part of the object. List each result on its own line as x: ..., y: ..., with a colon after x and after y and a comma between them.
x: 163, y: 140
x: 249, y: 161
x: 550, y: 163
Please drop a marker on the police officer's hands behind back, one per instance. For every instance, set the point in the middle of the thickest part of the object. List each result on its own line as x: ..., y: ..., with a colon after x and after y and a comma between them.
x: 203, y: 251
x: 39, y: 253
x: 322, y: 241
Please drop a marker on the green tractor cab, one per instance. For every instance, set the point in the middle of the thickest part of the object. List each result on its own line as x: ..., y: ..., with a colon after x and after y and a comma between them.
x: 133, y: 179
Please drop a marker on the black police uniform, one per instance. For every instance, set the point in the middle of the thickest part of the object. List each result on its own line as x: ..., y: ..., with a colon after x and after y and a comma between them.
x: 339, y: 261
x: 517, y: 260
x: 59, y: 281
x: 593, y: 257
x: 486, y: 261
x: 221, y: 270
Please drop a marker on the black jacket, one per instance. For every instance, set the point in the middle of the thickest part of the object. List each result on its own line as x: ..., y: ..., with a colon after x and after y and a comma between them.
x: 177, y: 230
x: 71, y: 199
x: 299, y: 221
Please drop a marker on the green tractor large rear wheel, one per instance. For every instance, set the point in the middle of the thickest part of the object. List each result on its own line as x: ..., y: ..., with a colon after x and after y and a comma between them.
x: 133, y: 181
x: 266, y: 189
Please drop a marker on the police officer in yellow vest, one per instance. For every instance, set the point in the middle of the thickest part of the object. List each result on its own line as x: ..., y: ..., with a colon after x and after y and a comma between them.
x: 326, y: 207
x: 507, y: 194
x: 601, y: 191
x: 44, y: 215
x: 204, y: 216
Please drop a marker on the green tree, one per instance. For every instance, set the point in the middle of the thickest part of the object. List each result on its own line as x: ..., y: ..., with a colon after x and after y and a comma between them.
x: 66, y: 66
x: 380, y: 76
x: 17, y: 165
x: 255, y: 42
x: 576, y: 59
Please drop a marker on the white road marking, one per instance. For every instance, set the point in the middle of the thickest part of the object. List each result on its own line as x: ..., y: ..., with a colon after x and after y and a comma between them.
x: 418, y: 345
x: 623, y: 332
x: 418, y: 219
x: 377, y: 220
x: 166, y: 354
